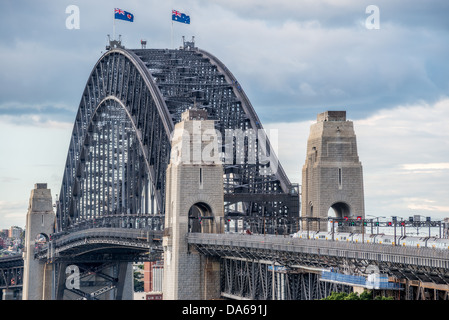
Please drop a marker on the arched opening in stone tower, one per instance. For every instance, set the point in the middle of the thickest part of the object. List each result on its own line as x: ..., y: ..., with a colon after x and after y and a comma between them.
x: 201, y: 218
x: 339, y: 210
x: 40, y: 240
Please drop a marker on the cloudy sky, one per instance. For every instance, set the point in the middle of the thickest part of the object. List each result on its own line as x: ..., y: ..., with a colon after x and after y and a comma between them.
x: 388, y: 68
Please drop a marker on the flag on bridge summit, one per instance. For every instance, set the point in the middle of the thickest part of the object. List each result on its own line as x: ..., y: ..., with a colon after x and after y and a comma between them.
x: 123, y: 15
x: 180, y: 17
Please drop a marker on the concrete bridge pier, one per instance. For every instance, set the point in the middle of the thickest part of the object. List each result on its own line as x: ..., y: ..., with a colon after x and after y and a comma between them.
x: 40, y: 219
x: 194, y: 203
x: 332, y: 176
x: 11, y: 294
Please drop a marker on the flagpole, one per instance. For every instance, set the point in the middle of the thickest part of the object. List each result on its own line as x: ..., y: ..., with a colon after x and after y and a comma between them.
x: 113, y: 26
x: 172, y: 34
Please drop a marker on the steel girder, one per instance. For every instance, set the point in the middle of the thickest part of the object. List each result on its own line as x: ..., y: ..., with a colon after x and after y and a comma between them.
x: 94, y: 281
x: 120, y: 145
x: 424, y: 264
x: 11, y: 277
x: 11, y: 271
x: 260, y: 280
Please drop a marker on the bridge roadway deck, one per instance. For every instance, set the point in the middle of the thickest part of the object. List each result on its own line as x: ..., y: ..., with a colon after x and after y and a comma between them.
x: 76, y: 243
x: 412, y: 263
x: 14, y: 260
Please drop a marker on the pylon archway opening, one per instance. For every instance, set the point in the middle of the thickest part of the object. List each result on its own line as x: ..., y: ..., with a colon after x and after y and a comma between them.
x: 201, y: 218
x: 340, y: 209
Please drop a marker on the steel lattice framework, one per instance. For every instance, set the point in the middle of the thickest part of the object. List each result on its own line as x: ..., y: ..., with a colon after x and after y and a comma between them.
x: 120, y: 146
x: 11, y: 271
x: 256, y: 280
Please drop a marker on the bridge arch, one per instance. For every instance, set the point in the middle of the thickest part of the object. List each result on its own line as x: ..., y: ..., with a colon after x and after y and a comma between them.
x: 142, y: 93
x: 117, y: 90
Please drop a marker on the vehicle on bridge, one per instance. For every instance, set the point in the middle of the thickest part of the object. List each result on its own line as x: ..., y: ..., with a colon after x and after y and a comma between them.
x: 384, y: 239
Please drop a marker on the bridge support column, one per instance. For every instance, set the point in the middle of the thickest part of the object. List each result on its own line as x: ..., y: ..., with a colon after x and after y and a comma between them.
x: 37, y: 278
x: 194, y: 203
x: 332, y: 175
x: 10, y: 294
x: 125, y: 285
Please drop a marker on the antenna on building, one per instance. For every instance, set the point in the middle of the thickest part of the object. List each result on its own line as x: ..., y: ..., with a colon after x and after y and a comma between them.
x: 115, y: 43
x: 188, y: 45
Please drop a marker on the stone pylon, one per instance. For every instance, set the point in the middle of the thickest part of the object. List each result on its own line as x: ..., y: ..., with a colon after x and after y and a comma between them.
x: 332, y: 175
x: 40, y: 219
x: 194, y: 203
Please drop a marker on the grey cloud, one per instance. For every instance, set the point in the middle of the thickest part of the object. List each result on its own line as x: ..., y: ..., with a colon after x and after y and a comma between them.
x: 294, y: 59
x: 272, y: 47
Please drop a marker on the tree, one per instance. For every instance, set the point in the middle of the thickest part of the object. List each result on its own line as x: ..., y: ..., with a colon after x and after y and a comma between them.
x: 365, y: 295
x: 138, y: 283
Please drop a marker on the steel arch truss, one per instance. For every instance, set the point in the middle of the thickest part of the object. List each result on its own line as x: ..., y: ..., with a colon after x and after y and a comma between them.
x: 120, y: 145
x: 261, y: 280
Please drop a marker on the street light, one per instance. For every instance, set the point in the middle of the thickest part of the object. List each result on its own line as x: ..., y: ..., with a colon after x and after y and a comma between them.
x: 377, y: 223
x: 418, y: 222
x: 394, y: 219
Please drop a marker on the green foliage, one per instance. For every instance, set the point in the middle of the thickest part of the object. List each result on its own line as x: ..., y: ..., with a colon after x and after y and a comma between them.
x: 383, y: 298
x: 138, y: 283
x: 365, y: 295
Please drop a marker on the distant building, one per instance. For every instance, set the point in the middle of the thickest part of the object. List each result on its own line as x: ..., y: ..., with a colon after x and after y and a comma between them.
x: 15, y: 232
x: 4, y: 233
x: 153, y: 274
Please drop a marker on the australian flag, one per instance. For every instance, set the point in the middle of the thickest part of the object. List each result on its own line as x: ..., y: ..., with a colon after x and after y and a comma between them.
x: 180, y: 17
x: 123, y: 15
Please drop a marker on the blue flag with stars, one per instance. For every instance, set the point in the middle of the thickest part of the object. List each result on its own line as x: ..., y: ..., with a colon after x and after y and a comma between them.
x: 123, y: 15
x: 180, y: 17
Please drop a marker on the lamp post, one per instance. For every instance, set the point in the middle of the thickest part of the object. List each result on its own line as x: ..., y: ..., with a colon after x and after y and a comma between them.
x: 394, y: 219
x: 377, y: 218
x: 418, y: 224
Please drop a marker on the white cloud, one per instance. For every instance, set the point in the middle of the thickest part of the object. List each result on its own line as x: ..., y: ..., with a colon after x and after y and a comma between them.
x: 426, y: 205
x: 426, y: 167
x: 393, y: 145
x: 32, y: 152
x: 12, y: 213
x: 293, y: 57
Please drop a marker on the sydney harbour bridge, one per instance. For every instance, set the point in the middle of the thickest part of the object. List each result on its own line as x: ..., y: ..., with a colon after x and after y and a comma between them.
x: 120, y: 146
x: 111, y: 207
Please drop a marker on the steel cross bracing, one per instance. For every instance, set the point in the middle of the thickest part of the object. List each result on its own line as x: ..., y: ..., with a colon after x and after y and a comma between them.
x: 95, y: 280
x: 11, y: 271
x: 120, y: 145
x: 261, y: 280
x: 423, y: 264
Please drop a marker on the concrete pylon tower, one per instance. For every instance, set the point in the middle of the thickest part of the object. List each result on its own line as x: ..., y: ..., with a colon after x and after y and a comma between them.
x: 332, y: 175
x: 40, y: 219
x: 194, y: 203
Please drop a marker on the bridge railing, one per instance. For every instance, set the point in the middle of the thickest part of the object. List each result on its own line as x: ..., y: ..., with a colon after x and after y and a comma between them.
x: 126, y: 221
x: 137, y: 227
x: 422, y: 256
